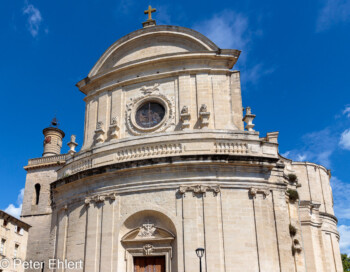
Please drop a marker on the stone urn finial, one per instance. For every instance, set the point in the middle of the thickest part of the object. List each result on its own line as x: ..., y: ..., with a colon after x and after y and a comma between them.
x: 72, y: 144
x: 248, y: 119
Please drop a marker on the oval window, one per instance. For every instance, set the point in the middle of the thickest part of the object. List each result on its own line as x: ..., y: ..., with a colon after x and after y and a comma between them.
x: 149, y: 114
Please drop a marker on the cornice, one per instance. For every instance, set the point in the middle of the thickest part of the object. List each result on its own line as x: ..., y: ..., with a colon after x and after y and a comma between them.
x: 250, y: 161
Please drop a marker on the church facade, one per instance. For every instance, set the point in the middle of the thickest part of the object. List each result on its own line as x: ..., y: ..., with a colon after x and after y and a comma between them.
x: 170, y: 163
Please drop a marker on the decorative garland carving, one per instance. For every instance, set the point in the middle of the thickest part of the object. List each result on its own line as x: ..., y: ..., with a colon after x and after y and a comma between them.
x: 254, y: 191
x: 200, y: 189
x: 99, y: 198
x: 150, y: 94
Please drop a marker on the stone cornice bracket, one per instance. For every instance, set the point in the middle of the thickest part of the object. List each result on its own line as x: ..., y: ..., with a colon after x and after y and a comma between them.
x: 254, y: 191
x: 149, y: 90
x: 99, y: 198
x: 315, y: 205
x: 100, y: 132
x: 200, y: 189
x: 72, y: 145
x: 185, y: 117
x: 114, y: 128
x: 204, y: 116
x: 248, y: 119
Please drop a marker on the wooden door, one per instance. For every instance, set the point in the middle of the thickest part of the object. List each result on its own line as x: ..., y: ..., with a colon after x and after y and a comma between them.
x: 149, y: 264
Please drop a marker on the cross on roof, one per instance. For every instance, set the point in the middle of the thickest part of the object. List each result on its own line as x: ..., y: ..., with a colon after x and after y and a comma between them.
x: 149, y: 11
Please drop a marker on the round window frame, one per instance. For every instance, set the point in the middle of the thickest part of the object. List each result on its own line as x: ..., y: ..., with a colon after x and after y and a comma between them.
x: 137, y: 106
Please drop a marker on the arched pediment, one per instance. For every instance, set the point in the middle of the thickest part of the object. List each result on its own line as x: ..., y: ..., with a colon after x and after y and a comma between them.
x: 148, y: 232
x: 152, y: 42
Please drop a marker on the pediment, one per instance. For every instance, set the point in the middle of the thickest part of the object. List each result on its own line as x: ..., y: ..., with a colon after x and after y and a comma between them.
x: 147, y: 232
x: 149, y: 43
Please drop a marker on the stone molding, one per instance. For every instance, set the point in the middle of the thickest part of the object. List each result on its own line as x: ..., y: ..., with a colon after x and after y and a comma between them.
x: 151, y: 250
x: 78, y: 166
x: 46, y: 161
x: 200, y: 189
x: 179, y: 143
x: 310, y: 213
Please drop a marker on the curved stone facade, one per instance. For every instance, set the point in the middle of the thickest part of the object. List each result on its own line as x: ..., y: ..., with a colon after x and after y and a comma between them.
x: 186, y: 176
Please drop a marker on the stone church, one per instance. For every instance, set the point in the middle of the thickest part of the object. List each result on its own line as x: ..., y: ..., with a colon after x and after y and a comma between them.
x: 170, y: 163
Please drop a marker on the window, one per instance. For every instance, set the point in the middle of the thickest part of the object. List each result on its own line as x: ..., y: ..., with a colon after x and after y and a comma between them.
x: 16, y: 250
x: 37, y: 193
x: 2, y: 246
x: 5, y: 223
x: 149, y: 114
x: 18, y: 230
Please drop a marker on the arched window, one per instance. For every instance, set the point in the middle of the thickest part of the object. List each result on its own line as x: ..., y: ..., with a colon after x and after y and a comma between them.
x: 37, y: 193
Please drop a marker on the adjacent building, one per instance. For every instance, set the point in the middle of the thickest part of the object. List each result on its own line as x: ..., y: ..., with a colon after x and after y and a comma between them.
x: 13, y: 242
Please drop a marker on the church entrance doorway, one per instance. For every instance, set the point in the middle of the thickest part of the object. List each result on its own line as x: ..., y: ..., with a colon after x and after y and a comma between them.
x: 149, y: 264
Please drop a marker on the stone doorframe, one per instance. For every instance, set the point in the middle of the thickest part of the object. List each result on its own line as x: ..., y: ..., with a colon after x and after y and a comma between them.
x: 147, y: 240
x: 145, y: 251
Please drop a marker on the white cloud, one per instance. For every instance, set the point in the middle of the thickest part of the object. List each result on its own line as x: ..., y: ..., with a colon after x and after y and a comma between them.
x: 347, y: 111
x: 301, y: 157
x: 318, y: 147
x: 344, y: 238
x: 341, y: 196
x: 345, y: 140
x: 228, y: 29
x: 34, y: 19
x: 333, y: 12
x: 12, y: 209
x: 254, y: 74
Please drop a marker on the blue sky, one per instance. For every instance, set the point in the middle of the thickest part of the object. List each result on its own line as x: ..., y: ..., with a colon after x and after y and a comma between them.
x: 294, y: 69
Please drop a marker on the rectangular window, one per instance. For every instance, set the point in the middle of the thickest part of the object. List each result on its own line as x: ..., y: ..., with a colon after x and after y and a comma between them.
x: 15, y: 253
x: 2, y: 246
x: 5, y: 223
x: 18, y: 229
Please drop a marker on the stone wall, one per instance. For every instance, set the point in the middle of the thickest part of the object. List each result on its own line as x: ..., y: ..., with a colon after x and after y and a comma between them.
x: 223, y: 214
